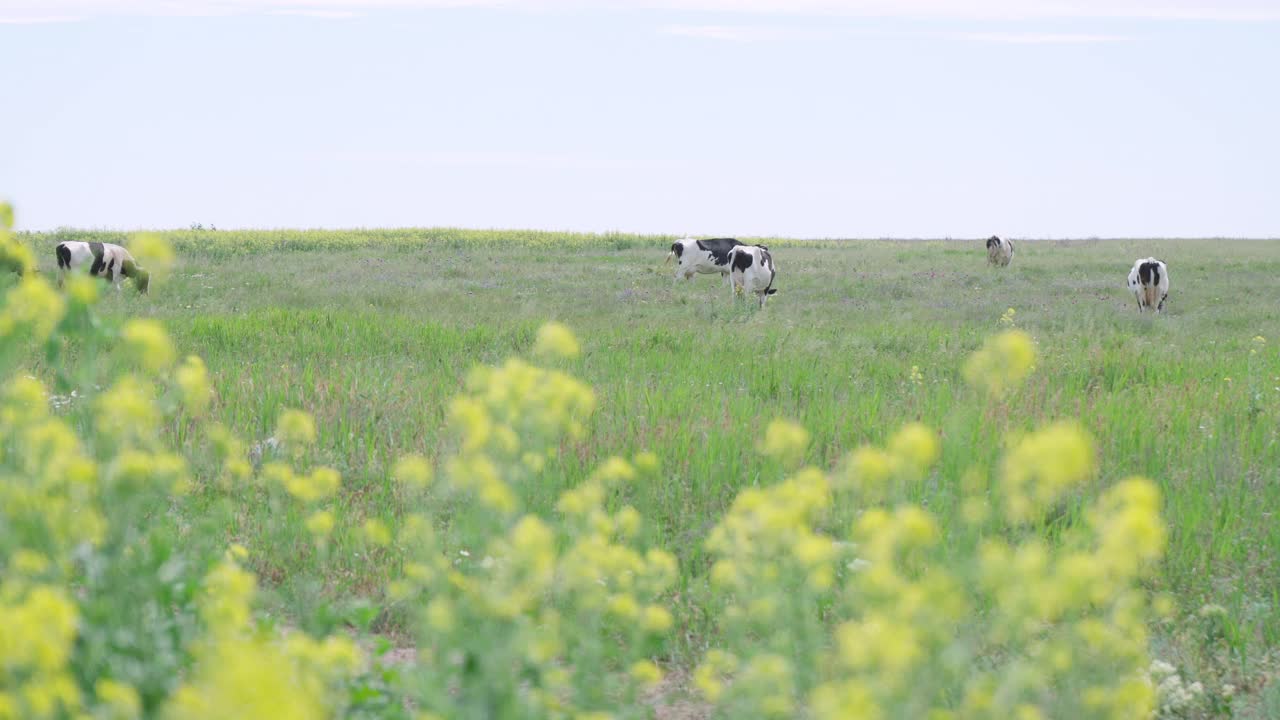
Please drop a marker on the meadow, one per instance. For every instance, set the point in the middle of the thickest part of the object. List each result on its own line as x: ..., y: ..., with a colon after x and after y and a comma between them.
x: 374, y: 333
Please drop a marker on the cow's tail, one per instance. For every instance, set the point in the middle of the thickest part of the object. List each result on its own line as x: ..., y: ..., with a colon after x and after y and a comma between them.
x: 1149, y: 279
x: 773, y: 272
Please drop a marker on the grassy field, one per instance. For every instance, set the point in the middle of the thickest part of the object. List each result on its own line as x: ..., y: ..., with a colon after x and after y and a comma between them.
x: 373, y: 333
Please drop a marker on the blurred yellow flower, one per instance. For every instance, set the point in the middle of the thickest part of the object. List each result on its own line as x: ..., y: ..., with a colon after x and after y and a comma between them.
x: 193, y: 379
x: 118, y: 700
x: 413, y: 471
x: 153, y: 253
x: 646, y: 673
x: 148, y: 344
x: 786, y: 442
x: 320, y: 523
x: 296, y: 430
x: 556, y: 341
x: 916, y: 445
x: 31, y: 305
x: 1002, y: 363
x: 376, y: 532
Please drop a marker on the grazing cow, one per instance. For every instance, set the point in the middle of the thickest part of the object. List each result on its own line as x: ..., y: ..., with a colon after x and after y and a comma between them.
x: 701, y: 256
x: 1149, y: 281
x: 111, y: 262
x: 751, y: 270
x: 999, y: 251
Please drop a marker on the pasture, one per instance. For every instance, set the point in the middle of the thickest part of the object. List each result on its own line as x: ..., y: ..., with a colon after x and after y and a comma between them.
x: 373, y: 333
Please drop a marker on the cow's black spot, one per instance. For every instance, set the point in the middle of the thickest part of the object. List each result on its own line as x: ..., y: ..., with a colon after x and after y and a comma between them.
x: 678, y: 249
x: 1149, y: 273
x: 993, y: 241
x: 771, y: 291
x: 742, y: 261
x: 719, y: 248
x: 97, y: 250
x: 110, y: 265
x: 64, y: 256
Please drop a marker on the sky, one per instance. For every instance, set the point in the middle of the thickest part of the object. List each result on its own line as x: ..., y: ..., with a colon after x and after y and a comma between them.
x: 800, y: 118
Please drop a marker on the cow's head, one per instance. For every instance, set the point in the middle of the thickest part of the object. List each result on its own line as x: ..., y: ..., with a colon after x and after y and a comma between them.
x: 677, y: 251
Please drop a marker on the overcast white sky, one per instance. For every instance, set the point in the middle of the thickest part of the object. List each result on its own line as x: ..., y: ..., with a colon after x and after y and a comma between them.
x: 837, y: 118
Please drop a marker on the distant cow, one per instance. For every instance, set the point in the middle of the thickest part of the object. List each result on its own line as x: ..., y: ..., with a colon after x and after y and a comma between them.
x: 701, y: 256
x: 111, y: 262
x: 752, y: 270
x: 999, y: 251
x: 1149, y: 281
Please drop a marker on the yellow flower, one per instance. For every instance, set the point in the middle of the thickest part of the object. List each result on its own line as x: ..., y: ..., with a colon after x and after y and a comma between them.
x: 321, y: 483
x: 193, y: 379
x: 868, y: 470
x: 646, y: 673
x: 127, y: 410
x: 1003, y: 362
x: 376, y: 532
x: 228, y: 590
x: 624, y: 606
x: 916, y: 445
x: 148, y: 344
x: 656, y: 619
x: 556, y: 341
x: 320, y: 523
x: 440, y: 615
x: 646, y: 462
x: 1043, y: 466
x: 413, y: 471
x: 786, y: 442
x: 31, y: 305
x: 120, y: 701
x: 296, y: 430
x: 628, y: 522
x: 82, y: 289
x: 614, y: 470
x: 152, y: 253
x: 29, y: 562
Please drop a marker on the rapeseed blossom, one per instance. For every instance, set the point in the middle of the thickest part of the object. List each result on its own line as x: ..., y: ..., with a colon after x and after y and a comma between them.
x: 1070, y: 613
x: 33, y: 307
x: 320, y: 523
x: 148, y: 344
x: 556, y: 341
x: 516, y: 588
x: 193, y: 380
x: 1002, y: 363
x: 786, y: 442
x: 413, y: 471
x: 152, y: 252
x: 1043, y: 467
x: 296, y: 430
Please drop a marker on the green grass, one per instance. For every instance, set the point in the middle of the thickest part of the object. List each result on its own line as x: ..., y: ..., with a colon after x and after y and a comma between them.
x: 373, y: 333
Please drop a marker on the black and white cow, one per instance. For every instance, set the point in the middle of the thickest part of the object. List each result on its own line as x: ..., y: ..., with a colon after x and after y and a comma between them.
x: 701, y: 256
x: 1149, y: 281
x: 999, y: 250
x: 751, y: 270
x: 111, y: 262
